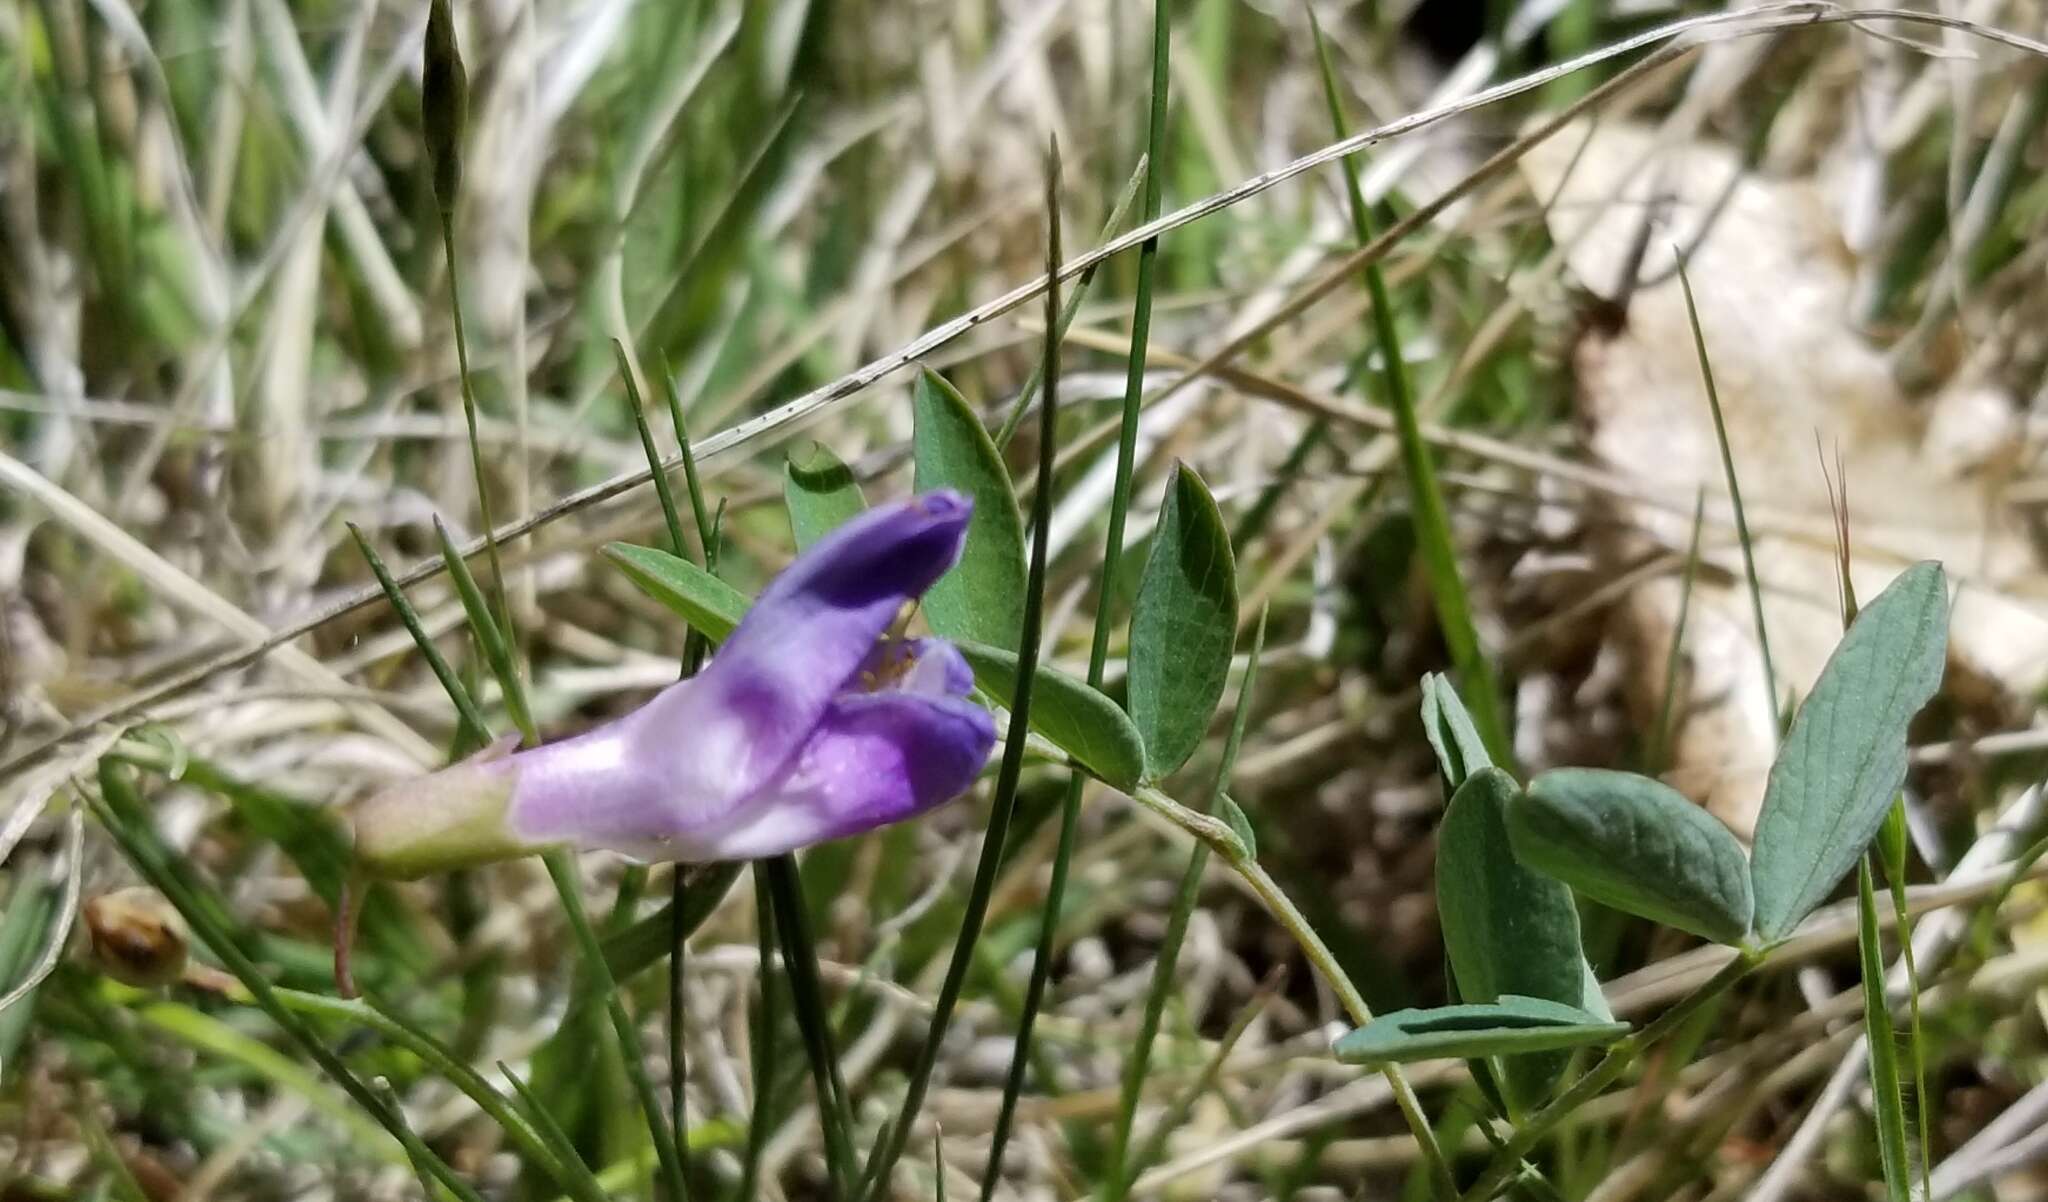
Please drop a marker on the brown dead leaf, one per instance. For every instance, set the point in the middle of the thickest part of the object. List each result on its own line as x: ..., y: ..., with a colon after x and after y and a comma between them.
x: 1773, y: 284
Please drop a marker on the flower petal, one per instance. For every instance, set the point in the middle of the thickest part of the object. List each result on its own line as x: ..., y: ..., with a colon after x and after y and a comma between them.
x: 877, y: 758
x: 737, y: 725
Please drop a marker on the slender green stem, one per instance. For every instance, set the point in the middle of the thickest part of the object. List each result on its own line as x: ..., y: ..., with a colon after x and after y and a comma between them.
x: 767, y: 1045
x: 1117, y: 213
x: 1116, y: 1181
x: 1112, y: 559
x: 813, y: 1020
x: 1434, y: 539
x: 1756, y: 591
x: 562, y: 871
x: 994, y: 842
x: 1623, y: 1053
x: 476, y: 451
x: 120, y: 809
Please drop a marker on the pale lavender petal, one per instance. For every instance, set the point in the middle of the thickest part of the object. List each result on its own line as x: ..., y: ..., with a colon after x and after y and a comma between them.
x: 598, y: 790
x: 739, y: 722
x: 877, y: 758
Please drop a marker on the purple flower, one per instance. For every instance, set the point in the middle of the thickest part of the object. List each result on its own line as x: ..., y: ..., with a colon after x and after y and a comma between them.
x: 812, y: 722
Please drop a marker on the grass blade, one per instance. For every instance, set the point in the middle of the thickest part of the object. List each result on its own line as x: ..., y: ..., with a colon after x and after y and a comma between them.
x: 813, y: 1020
x: 889, y: 1148
x: 1887, y: 1093
x: 1434, y: 539
x: 562, y: 871
x: 1756, y: 591
x: 472, y: 731
x: 1117, y: 1177
x: 121, y: 810
x: 490, y: 636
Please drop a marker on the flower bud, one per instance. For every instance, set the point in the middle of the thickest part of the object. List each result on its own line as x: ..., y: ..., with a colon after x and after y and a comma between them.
x: 444, y: 103
x: 449, y: 819
x: 137, y: 937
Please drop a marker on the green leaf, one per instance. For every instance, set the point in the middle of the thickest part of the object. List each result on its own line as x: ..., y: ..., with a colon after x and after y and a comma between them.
x: 1240, y: 823
x: 1508, y: 929
x: 1640, y: 846
x: 1447, y: 725
x: 1183, y: 624
x: 707, y: 603
x: 1507, y: 1027
x: 1077, y: 719
x: 982, y: 598
x: 1887, y: 1092
x: 1846, y: 754
x: 821, y: 493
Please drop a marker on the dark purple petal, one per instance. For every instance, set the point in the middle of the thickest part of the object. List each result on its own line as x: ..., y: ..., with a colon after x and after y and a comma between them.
x: 753, y: 707
x: 877, y: 758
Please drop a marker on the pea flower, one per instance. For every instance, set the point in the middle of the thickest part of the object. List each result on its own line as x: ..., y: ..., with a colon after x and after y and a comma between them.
x: 812, y: 722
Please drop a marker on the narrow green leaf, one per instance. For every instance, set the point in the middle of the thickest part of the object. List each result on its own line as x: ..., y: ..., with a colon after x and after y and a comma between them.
x: 489, y: 635
x: 813, y: 1019
x: 1635, y: 844
x: 1507, y: 1027
x: 1182, y: 625
x: 1116, y: 1178
x: 982, y: 598
x: 1460, y: 752
x: 472, y: 730
x: 820, y: 492
x: 1508, y: 929
x: 1886, y: 1091
x: 1075, y: 718
x: 568, y: 890
x: 1846, y: 754
x: 707, y: 603
x: 1240, y: 823
x: 639, y: 947
x: 1435, y: 541
x: 32, y: 906
x: 1756, y: 591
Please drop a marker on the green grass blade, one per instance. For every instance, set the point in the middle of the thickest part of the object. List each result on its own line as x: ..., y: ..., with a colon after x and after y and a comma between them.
x: 122, y: 812
x: 889, y: 1147
x: 1756, y: 591
x: 1113, y: 545
x: 474, y: 731
x: 1070, y: 805
x: 1892, y: 841
x: 637, y: 410
x: 545, y: 1128
x: 1886, y: 1091
x: 1117, y: 1176
x: 634, y: 950
x: 1674, y: 660
x: 1434, y: 539
x: 562, y: 871
x: 1117, y: 213
x: 767, y: 1045
x: 489, y: 635
x: 813, y: 1020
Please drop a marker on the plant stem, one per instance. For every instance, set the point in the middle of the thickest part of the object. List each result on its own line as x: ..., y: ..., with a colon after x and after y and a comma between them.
x: 1603, y: 1074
